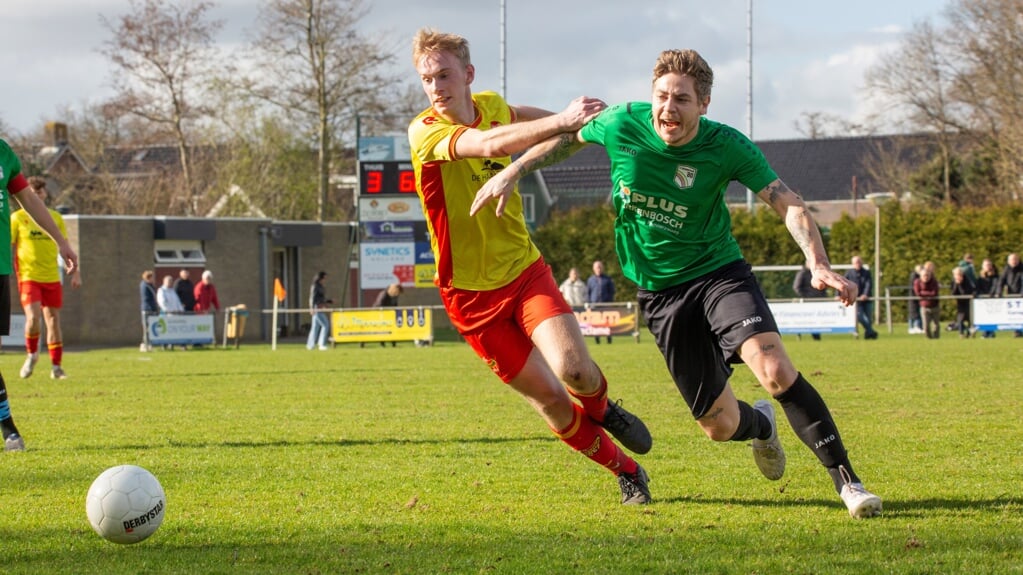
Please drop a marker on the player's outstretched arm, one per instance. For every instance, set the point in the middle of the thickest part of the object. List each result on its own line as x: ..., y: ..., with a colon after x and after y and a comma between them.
x: 502, y: 184
x: 791, y: 207
x: 517, y: 137
x: 41, y: 215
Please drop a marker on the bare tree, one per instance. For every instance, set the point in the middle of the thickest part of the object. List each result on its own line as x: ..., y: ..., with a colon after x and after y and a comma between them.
x: 163, y: 52
x: 314, y: 65
x: 988, y: 36
x: 918, y: 81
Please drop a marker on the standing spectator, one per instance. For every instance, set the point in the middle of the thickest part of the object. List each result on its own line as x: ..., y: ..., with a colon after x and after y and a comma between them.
x: 1011, y: 281
x: 916, y: 325
x: 963, y: 290
x: 600, y: 288
x: 169, y: 302
x: 40, y: 283
x: 969, y: 271
x: 388, y: 298
x: 185, y: 289
x: 14, y: 185
x: 319, y: 329
x: 802, y: 284
x: 987, y: 279
x: 860, y: 276
x: 167, y: 298
x: 987, y: 286
x: 147, y: 295
x: 926, y: 288
x: 206, y: 300
x: 574, y: 289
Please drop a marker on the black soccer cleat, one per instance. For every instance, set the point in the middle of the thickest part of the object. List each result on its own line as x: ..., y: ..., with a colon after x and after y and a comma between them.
x: 628, y: 429
x: 634, y: 487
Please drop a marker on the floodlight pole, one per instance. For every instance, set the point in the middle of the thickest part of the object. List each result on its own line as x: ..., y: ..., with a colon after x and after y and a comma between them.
x: 749, y: 89
x: 878, y: 199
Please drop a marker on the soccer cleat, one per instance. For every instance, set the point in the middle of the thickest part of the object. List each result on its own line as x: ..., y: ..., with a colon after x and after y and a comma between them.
x: 14, y: 442
x: 634, y: 487
x: 57, y: 373
x: 628, y: 429
x: 861, y: 503
x: 767, y: 453
x: 29, y: 365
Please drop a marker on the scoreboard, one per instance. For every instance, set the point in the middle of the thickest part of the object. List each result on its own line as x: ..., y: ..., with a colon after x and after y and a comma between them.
x: 386, y: 177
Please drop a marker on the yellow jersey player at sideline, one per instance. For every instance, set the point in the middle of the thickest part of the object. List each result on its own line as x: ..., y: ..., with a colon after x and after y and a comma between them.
x: 495, y: 285
x: 14, y: 185
x: 39, y: 283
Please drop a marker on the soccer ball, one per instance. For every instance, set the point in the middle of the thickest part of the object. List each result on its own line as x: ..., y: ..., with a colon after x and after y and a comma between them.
x: 125, y: 504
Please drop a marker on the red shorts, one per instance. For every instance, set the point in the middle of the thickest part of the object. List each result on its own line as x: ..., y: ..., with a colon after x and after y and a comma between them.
x: 49, y: 294
x: 497, y: 324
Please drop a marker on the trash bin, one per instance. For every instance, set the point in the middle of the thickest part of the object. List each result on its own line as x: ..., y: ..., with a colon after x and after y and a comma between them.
x: 236, y: 316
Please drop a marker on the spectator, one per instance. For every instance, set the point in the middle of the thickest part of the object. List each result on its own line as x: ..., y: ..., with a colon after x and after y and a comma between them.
x: 860, y: 276
x: 916, y: 326
x: 969, y: 272
x: 600, y: 288
x: 147, y: 294
x: 206, y: 300
x: 185, y: 289
x: 1011, y: 281
x: 40, y: 283
x: 926, y: 288
x: 167, y: 298
x: 318, y: 303
x: 803, y: 286
x: 963, y: 290
x: 388, y: 298
x: 574, y: 289
x: 987, y: 286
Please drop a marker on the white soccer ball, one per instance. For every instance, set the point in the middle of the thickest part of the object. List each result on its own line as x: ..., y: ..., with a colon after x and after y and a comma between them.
x: 125, y: 504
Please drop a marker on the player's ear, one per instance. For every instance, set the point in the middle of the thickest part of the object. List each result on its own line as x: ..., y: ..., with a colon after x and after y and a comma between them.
x: 704, y: 105
x: 470, y: 74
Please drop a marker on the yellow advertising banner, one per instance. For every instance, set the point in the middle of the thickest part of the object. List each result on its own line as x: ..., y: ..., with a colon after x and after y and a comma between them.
x: 382, y: 324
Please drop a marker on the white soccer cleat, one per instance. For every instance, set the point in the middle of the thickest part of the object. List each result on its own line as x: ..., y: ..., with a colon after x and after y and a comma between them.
x: 861, y: 503
x: 29, y: 365
x: 14, y: 442
x: 768, y: 453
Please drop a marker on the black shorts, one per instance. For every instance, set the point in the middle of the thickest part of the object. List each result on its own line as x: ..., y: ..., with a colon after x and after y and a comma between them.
x: 5, y: 305
x: 700, y: 325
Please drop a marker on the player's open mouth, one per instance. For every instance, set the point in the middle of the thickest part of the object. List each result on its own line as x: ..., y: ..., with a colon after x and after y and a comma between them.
x: 668, y: 125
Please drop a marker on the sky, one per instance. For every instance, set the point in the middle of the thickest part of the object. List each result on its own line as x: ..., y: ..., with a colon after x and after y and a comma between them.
x: 809, y: 56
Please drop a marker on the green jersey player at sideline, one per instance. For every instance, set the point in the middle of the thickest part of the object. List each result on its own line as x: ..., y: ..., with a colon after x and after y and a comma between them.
x: 13, y: 184
x: 670, y: 167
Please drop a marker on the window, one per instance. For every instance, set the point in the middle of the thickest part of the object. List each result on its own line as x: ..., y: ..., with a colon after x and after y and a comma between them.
x: 179, y: 252
x: 528, y: 208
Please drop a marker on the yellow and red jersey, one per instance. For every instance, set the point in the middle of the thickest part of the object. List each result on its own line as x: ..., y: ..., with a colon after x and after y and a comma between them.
x: 37, y: 252
x: 481, y: 252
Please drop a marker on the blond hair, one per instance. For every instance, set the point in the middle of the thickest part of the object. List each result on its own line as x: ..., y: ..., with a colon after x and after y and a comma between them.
x: 688, y: 63
x: 430, y: 41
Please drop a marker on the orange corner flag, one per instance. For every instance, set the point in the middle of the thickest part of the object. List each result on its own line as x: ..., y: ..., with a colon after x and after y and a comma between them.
x: 279, y: 291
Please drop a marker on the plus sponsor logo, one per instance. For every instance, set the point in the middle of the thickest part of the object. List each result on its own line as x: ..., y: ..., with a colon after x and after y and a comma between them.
x: 490, y: 168
x: 662, y: 212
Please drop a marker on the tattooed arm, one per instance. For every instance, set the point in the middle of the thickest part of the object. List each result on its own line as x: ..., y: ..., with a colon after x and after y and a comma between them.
x: 546, y: 153
x: 790, y: 206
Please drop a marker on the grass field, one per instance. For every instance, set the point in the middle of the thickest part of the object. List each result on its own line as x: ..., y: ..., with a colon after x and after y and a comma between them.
x: 417, y: 460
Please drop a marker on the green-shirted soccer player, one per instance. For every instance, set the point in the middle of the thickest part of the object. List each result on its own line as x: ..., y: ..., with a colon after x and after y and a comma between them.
x: 670, y: 167
x: 14, y: 184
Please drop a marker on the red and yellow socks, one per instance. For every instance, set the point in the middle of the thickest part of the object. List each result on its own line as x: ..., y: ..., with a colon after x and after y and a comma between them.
x: 588, y: 438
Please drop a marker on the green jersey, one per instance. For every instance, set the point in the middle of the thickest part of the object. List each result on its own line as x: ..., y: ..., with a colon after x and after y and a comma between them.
x: 10, y: 168
x: 672, y: 222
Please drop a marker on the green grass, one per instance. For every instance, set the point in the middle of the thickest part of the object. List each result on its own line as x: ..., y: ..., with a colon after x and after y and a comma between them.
x: 415, y: 460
